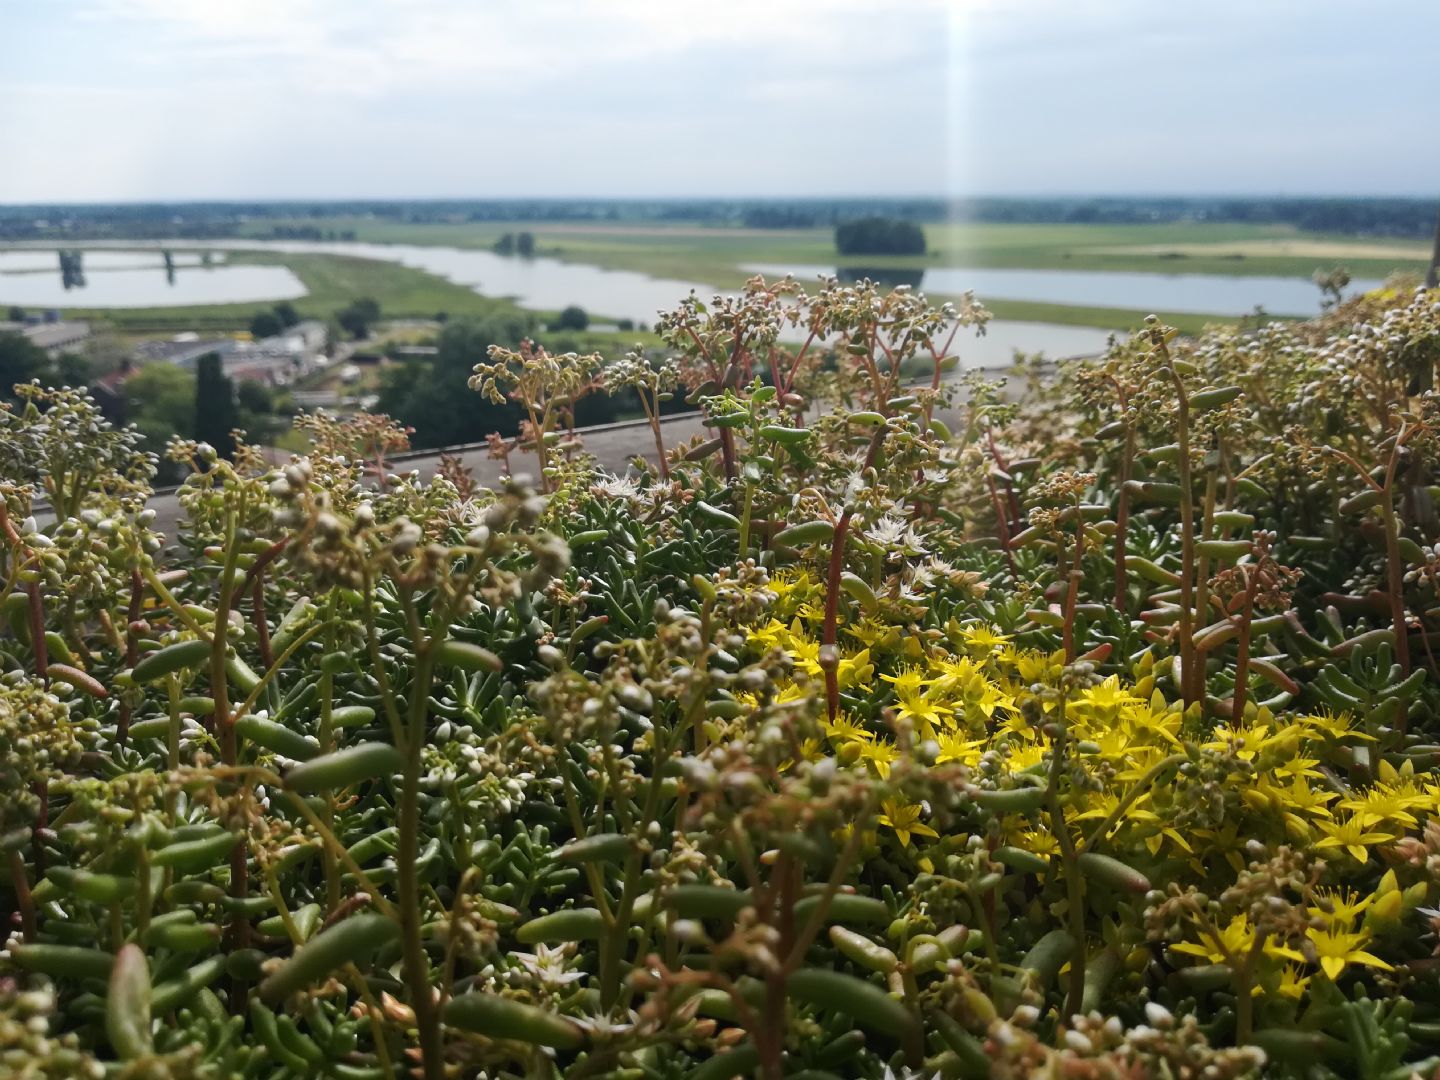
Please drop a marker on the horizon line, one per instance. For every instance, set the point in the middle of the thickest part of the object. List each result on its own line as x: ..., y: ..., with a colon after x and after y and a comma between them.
x: 873, y: 197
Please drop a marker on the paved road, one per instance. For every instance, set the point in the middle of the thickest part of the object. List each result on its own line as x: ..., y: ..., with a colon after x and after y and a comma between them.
x: 613, y: 445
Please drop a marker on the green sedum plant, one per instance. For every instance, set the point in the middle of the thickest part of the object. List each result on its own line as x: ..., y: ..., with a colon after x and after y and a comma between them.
x: 902, y: 725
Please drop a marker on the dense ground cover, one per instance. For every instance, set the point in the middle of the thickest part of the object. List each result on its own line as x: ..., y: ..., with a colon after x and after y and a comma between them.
x: 1094, y: 738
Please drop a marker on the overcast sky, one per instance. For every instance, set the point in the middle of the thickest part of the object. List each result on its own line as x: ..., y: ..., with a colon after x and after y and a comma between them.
x: 217, y: 99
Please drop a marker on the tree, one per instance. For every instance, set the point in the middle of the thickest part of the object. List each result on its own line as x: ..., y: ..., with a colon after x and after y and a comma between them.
x: 525, y: 245
x: 265, y: 324
x: 214, y: 405
x: 430, y: 394
x: 505, y: 245
x: 286, y: 313
x: 572, y: 318
x: 254, y: 396
x: 160, y: 401
x: 20, y: 361
x: 356, y: 319
x: 879, y: 236
x: 72, y: 369
x: 255, y: 411
x: 17, y: 314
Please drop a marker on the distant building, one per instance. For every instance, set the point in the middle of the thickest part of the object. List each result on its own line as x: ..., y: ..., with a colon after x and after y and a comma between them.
x: 276, y: 361
x: 183, y: 350
x: 54, y: 336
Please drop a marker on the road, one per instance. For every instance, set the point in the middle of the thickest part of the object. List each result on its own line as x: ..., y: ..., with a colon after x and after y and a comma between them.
x: 613, y: 445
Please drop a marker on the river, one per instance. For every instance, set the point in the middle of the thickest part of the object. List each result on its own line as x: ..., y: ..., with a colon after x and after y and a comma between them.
x: 128, y: 277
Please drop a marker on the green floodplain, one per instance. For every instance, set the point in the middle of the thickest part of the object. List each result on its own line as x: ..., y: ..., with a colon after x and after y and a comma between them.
x: 715, y: 255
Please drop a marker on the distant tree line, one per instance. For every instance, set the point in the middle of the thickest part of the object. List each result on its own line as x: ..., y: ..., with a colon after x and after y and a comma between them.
x: 306, y: 220
x: 310, y: 232
x: 879, y: 236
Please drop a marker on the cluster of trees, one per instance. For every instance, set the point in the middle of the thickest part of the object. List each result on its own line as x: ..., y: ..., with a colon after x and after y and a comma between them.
x: 163, y: 400
x: 431, y: 394
x: 21, y: 360
x: 357, y: 319
x: 573, y: 317
x: 879, y: 236
x: 273, y: 320
x: 522, y: 244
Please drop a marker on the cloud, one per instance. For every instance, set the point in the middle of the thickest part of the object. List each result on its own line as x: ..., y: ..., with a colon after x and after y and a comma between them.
x: 317, y: 98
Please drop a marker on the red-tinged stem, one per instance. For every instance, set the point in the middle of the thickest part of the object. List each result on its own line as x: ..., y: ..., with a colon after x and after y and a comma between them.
x: 1002, y: 527
x: 132, y: 645
x: 832, y: 611
x: 832, y: 584
x: 1072, y: 591
x: 1242, y: 656
x: 1122, y: 524
x: 24, y: 903
x: 262, y: 626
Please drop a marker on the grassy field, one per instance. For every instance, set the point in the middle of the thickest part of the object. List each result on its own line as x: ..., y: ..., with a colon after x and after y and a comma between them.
x: 714, y: 256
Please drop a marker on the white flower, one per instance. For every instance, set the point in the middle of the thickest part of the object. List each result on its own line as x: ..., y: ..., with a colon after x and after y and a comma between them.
x: 616, y: 487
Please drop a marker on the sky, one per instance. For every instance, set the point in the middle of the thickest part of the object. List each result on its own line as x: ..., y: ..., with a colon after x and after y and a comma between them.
x: 136, y: 100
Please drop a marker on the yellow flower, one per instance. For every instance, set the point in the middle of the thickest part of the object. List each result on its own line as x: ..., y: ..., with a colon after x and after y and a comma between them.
x: 810, y: 750
x: 1233, y: 942
x: 905, y: 820
x: 846, y: 729
x: 983, y: 640
x: 1383, y: 804
x: 1297, y: 767
x: 1038, y: 842
x: 804, y: 652
x: 1332, y: 726
x: 1336, y: 949
x: 879, y: 755
x: 874, y: 635
x: 790, y: 588
x: 1038, y: 667
x: 855, y: 670
x: 954, y: 747
x: 774, y: 634
x: 1339, y: 907
x: 1108, y: 697
x: 811, y: 612
x: 1350, y: 836
x: 1292, y: 983
x: 915, y: 705
x: 1024, y: 757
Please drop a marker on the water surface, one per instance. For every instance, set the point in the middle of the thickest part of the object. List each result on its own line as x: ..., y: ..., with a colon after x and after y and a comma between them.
x: 1199, y: 294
